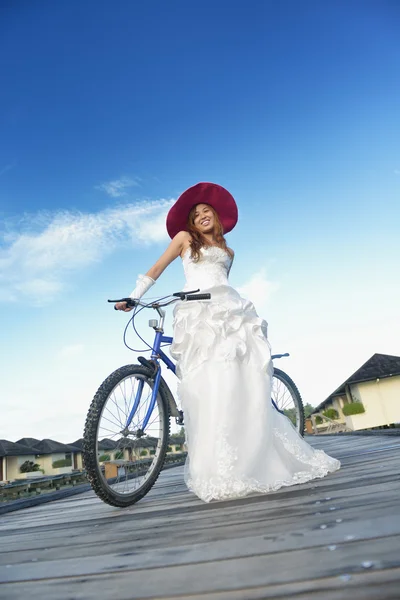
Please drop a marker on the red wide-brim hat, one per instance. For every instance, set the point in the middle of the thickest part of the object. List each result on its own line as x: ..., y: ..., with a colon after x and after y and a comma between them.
x: 203, y: 193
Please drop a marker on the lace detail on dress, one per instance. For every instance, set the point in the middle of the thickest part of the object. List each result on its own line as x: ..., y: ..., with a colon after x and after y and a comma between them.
x: 210, y: 270
x: 227, y: 484
x: 223, y: 484
x: 321, y: 464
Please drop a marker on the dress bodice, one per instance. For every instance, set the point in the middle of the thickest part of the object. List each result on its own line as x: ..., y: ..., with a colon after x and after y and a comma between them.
x: 209, y: 271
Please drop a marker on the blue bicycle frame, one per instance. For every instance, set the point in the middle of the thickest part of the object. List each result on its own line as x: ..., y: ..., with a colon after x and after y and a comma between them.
x: 156, y: 355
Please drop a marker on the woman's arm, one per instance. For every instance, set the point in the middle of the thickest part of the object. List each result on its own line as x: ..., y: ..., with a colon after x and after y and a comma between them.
x: 179, y: 243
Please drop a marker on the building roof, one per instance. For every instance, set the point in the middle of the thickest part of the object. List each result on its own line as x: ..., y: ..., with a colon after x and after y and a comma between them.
x: 78, y: 444
x: 47, y: 446
x: 144, y: 442
x: 378, y: 366
x: 107, y: 444
x: 31, y: 442
x: 33, y: 446
x: 8, y: 448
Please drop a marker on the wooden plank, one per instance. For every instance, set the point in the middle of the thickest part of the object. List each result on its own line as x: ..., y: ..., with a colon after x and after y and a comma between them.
x: 215, y: 575
x: 323, y: 535
x: 315, y: 539
x: 75, y: 538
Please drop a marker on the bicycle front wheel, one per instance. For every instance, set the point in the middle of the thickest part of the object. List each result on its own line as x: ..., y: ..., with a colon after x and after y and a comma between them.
x: 286, y: 399
x: 123, y: 460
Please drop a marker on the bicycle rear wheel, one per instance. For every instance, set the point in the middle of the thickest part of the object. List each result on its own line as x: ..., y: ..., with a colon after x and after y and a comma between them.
x: 123, y: 463
x: 286, y: 398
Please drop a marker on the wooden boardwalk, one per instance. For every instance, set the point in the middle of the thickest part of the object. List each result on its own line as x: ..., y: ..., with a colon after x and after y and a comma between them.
x: 335, y: 538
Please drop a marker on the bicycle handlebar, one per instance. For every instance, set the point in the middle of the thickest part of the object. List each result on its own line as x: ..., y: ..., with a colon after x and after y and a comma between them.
x: 131, y: 302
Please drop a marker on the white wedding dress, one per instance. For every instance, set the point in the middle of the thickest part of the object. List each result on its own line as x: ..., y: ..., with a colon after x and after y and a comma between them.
x: 237, y: 442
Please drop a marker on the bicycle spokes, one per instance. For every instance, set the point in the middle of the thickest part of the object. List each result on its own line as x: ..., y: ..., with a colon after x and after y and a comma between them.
x: 130, y: 431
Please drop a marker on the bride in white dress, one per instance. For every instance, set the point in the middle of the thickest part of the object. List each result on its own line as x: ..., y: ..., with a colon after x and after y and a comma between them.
x: 238, y: 443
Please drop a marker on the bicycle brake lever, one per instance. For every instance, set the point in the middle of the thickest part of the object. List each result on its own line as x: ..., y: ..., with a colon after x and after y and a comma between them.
x: 130, y: 302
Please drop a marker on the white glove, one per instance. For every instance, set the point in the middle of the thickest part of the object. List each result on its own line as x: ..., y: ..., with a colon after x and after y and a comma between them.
x: 143, y: 284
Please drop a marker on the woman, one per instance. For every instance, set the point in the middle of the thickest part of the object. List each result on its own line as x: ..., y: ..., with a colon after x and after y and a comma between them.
x: 237, y: 442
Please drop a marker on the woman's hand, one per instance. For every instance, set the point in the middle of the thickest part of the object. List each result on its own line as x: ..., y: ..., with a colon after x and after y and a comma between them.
x: 122, y: 306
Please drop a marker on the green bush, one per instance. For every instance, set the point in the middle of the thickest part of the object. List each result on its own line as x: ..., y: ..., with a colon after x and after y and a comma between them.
x: 143, y: 453
x: 119, y: 455
x: 169, y: 449
x: 152, y: 452
x: 28, y: 466
x: 291, y: 414
x: 353, y: 408
x: 331, y: 413
x: 63, y: 462
x: 178, y: 448
x: 318, y: 420
x: 104, y: 457
x: 308, y: 409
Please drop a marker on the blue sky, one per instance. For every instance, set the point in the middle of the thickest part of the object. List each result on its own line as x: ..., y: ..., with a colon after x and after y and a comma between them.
x: 109, y: 111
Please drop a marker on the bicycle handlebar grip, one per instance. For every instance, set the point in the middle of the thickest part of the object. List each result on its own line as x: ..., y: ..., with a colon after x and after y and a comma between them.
x: 130, y: 302
x: 198, y: 297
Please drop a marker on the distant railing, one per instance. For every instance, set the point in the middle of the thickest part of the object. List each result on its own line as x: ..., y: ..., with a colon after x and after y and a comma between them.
x: 27, y: 488
x: 331, y: 425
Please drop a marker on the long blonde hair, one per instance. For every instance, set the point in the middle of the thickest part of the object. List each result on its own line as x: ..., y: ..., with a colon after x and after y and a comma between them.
x: 199, y: 241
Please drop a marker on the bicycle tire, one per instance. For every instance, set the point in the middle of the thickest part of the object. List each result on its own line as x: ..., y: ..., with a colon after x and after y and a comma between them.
x: 296, y: 397
x: 90, y: 442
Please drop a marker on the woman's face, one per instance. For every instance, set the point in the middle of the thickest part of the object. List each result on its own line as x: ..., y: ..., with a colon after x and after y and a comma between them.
x: 204, y: 218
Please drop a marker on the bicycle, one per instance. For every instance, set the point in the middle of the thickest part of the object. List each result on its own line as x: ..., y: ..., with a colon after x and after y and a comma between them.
x: 126, y: 436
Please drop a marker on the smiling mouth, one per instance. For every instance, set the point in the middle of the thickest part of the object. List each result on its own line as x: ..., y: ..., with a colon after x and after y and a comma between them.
x: 205, y: 222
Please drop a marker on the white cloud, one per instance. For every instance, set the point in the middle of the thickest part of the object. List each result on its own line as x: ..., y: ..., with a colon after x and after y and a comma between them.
x: 38, y: 288
x: 153, y: 229
x: 258, y: 289
x: 35, y: 261
x: 117, y: 187
x: 71, y: 351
